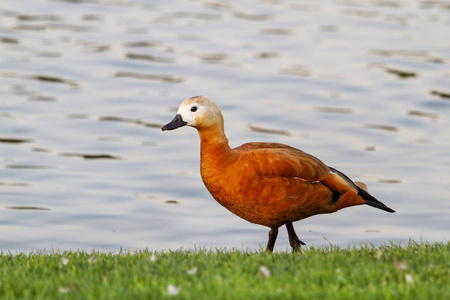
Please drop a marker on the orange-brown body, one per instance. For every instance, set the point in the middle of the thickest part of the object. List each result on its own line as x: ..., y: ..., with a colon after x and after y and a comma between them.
x: 266, y: 183
x: 269, y: 184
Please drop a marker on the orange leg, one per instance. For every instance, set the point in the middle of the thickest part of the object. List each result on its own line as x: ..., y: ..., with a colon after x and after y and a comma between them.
x: 295, y: 242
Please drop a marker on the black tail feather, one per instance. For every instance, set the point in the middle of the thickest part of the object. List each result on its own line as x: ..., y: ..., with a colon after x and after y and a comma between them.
x: 370, y: 200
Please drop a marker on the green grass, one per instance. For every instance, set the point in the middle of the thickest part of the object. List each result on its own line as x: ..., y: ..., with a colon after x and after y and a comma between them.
x: 413, y: 271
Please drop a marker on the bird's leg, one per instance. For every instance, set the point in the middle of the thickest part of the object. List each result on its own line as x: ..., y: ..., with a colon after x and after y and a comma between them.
x: 293, y: 238
x: 273, y: 233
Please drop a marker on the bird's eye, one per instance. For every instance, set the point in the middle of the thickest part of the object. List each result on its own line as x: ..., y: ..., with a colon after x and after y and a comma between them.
x: 194, y: 108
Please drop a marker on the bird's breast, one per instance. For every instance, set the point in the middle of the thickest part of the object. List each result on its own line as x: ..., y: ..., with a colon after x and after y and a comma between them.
x: 267, y: 200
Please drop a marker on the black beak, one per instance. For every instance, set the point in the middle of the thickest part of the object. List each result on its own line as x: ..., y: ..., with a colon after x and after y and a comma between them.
x: 174, y: 124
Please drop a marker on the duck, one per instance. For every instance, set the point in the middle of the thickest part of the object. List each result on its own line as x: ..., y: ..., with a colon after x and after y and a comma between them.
x: 269, y: 184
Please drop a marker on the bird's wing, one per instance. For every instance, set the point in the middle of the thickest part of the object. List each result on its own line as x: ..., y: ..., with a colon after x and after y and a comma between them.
x: 271, y: 159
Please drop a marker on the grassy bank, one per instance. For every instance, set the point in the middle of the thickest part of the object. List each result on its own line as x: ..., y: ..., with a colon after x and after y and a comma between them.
x: 413, y: 271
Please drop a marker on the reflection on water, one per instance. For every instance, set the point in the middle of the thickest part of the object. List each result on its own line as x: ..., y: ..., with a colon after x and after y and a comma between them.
x: 45, y: 78
x: 420, y: 55
x: 423, y: 114
x: 268, y: 130
x: 84, y: 90
x: 28, y: 167
x: 338, y: 110
x: 400, y: 73
x: 444, y: 95
x: 130, y: 120
x: 167, y: 78
x: 150, y: 58
x: 90, y: 156
x: 27, y: 207
x: 14, y: 140
x: 382, y: 127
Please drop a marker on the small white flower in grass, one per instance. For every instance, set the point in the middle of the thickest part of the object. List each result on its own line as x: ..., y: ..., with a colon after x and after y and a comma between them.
x: 401, y: 266
x: 64, y: 290
x: 409, y: 278
x: 339, y: 274
x: 153, y: 258
x: 65, y: 261
x: 192, y: 271
x: 264, y: 272
x: 172, y: 290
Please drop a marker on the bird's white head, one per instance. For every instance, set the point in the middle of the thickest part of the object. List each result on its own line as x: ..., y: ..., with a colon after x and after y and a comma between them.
x: 199, y: 112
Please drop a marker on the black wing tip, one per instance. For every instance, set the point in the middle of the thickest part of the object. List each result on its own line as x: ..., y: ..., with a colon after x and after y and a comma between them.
x: 372, y: 201
x: 389, y: 210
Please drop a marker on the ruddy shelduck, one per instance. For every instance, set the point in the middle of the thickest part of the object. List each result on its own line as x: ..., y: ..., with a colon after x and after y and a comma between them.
x: 266, y: 183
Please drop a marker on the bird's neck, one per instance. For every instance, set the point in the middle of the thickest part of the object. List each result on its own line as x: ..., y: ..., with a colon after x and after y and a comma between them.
x: 215, y: 153
x: 213, y: 142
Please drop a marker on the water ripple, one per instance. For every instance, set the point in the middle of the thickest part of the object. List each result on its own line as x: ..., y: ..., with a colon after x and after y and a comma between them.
x: 70, y: 69
x: 134, y: 75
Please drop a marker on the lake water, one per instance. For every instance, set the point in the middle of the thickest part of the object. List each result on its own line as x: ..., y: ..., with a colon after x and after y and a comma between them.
x: 86, y: 85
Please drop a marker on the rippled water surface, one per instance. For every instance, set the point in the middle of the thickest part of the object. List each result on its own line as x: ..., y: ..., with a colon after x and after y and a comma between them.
x: 86, y: 85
